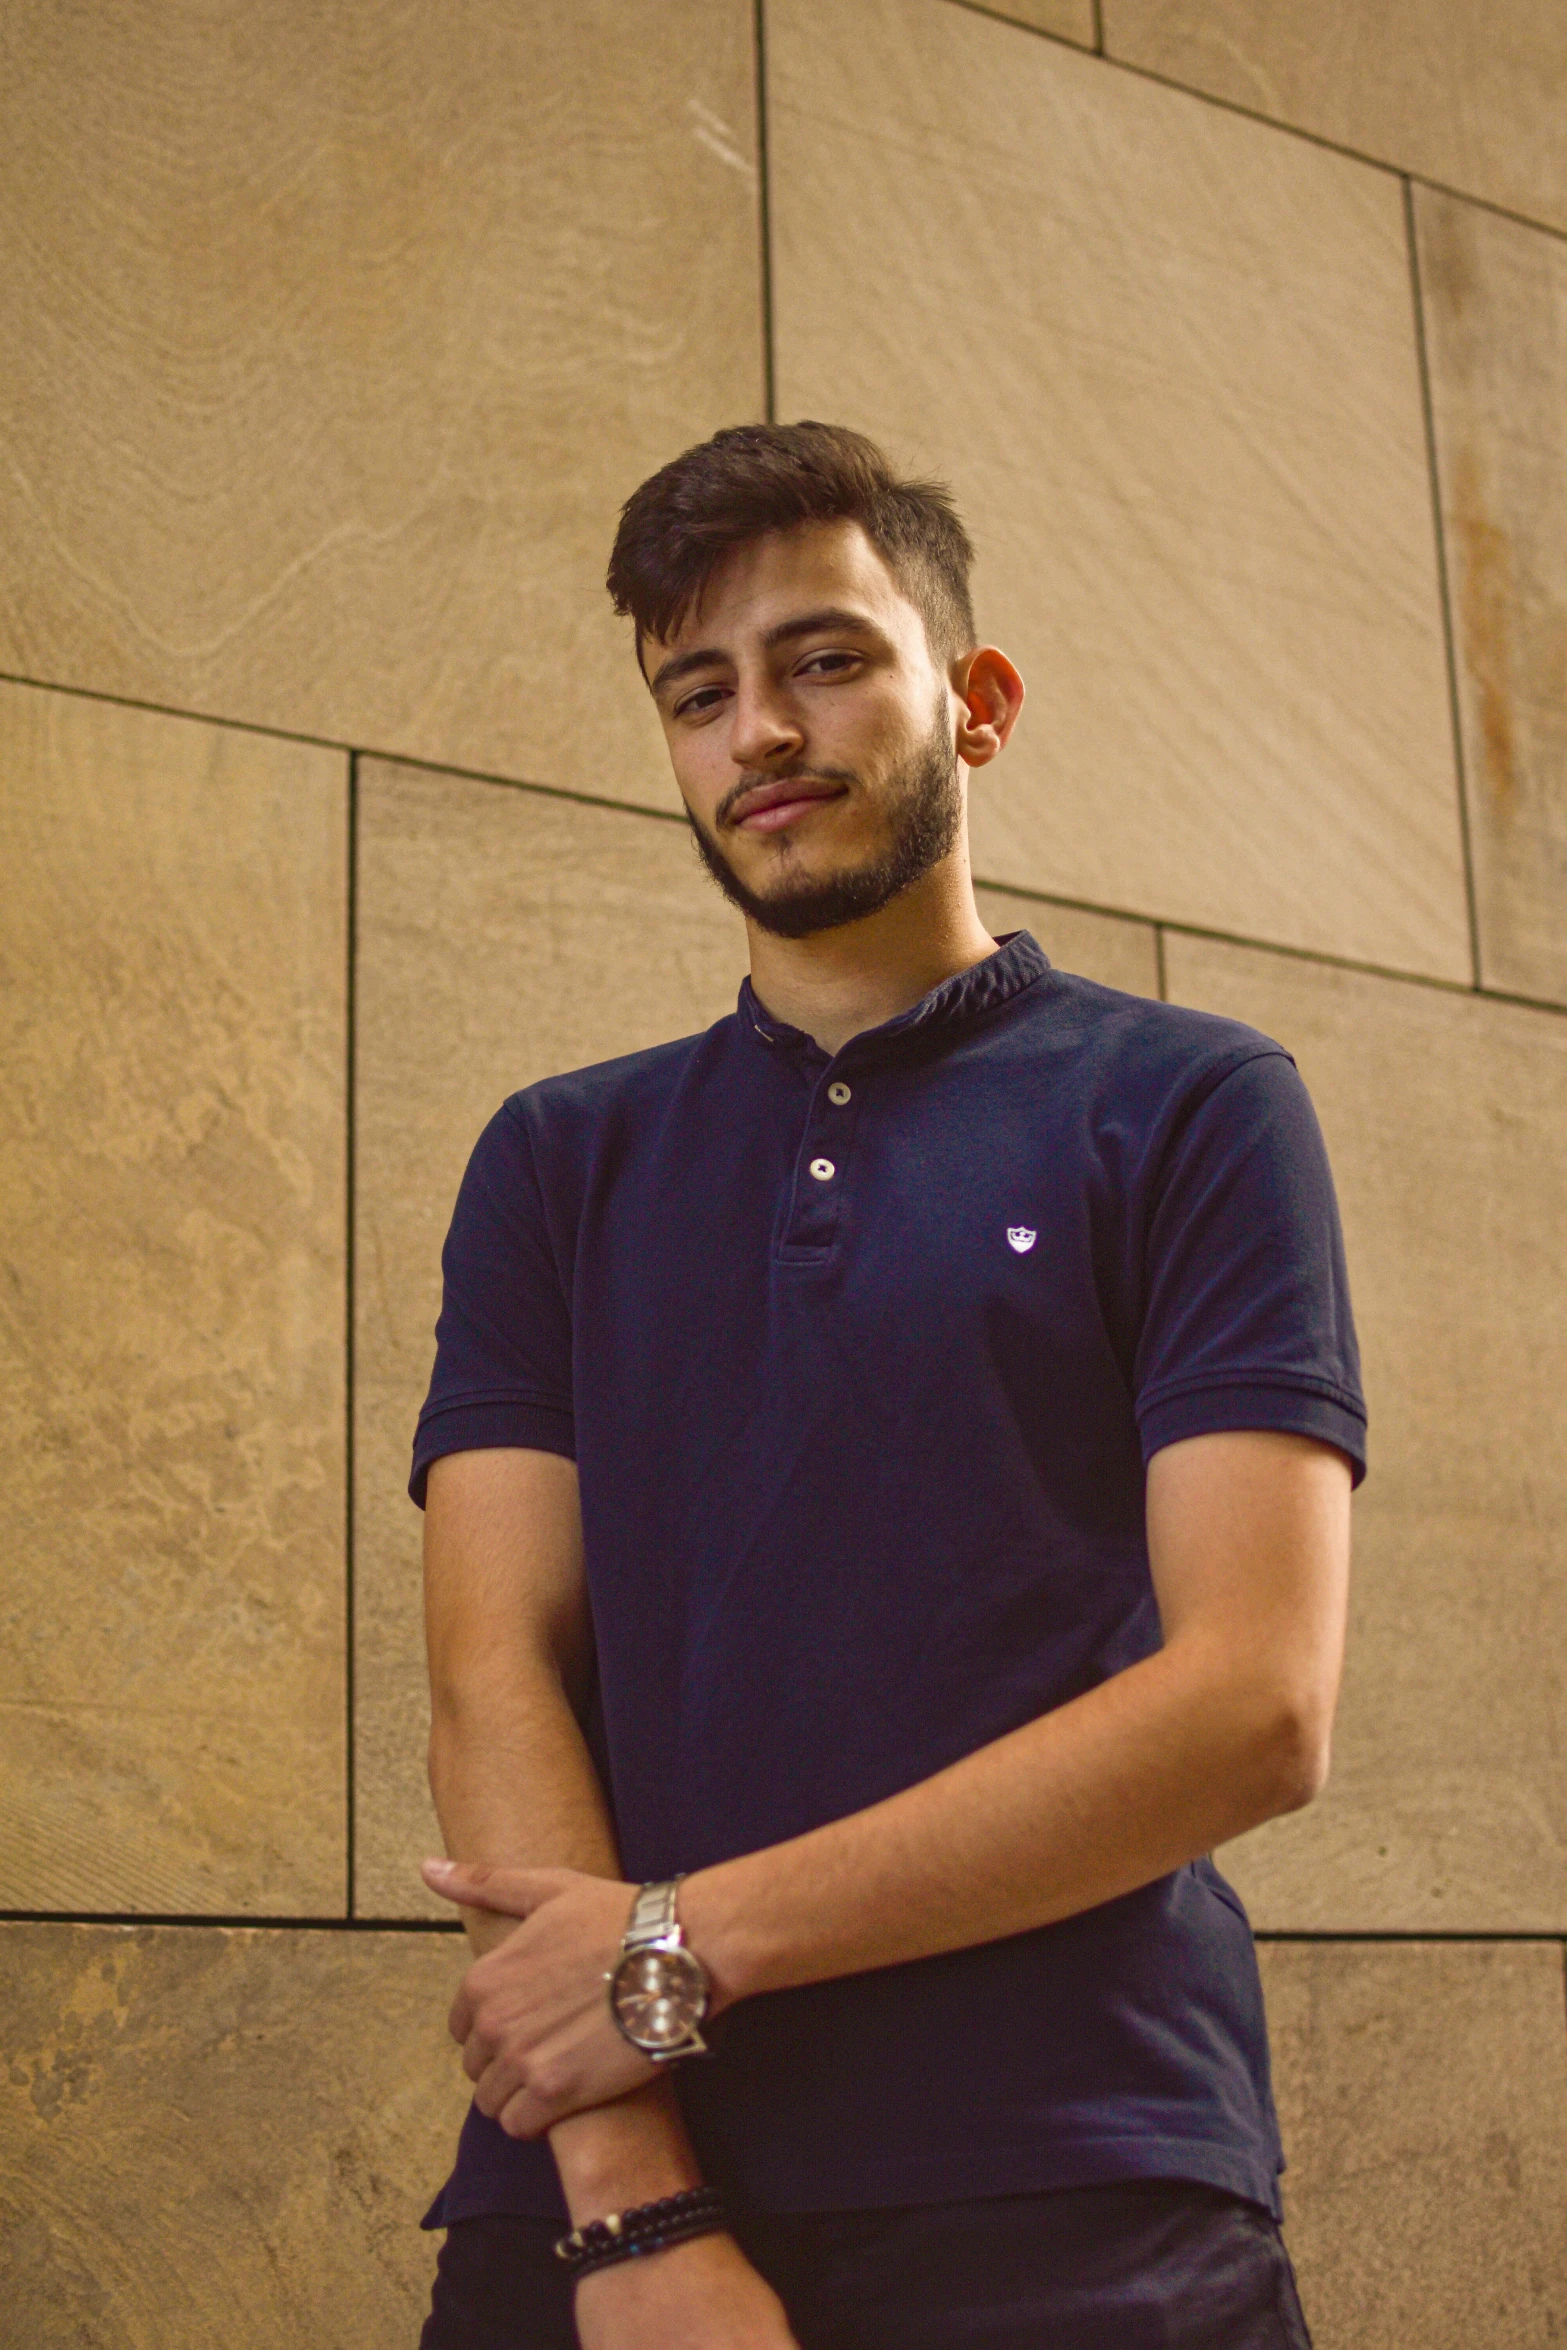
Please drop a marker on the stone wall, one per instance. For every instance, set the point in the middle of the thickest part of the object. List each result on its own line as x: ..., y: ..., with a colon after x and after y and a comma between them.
x: 333, y: 811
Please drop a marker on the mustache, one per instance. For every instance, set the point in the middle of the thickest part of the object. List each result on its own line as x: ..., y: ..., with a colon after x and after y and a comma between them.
x: 749, y: 783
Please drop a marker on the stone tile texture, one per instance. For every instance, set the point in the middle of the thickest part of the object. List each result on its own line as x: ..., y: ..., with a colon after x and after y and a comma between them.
x: 1467, y: 92
x: 1422, y: 2092
x: 503, y: 935
x: 1446, y: 1118
x: 335, y: 339
x: 1099, y: 946
x: 1495, y: 303
x: 211, y: 2134
x: 173, y: 1000
x: 222, y: 2136
x: 1167, y: 358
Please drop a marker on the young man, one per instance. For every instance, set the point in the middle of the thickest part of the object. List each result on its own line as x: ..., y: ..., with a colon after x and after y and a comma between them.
x: 887, y: 1482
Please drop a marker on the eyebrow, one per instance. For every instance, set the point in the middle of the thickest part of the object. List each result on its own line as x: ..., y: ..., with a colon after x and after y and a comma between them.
x: 807, y: 624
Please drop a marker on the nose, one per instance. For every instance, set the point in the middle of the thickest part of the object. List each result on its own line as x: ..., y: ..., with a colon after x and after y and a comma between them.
x: 764, y: 732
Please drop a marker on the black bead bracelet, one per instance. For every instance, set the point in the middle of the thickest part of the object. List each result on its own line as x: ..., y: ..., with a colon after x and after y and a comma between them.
x: 646, y: 2227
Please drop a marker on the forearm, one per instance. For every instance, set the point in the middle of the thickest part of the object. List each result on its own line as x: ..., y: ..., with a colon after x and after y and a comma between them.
x: 514, y: 1784
x: 1138, y: 1776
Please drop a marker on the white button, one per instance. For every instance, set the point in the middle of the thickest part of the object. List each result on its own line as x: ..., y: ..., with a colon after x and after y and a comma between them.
x: 823, y: 1170
x: 838, y: 1093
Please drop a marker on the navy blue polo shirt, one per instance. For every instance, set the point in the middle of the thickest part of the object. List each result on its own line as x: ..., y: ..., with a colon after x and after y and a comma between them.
x: 861, y: 1360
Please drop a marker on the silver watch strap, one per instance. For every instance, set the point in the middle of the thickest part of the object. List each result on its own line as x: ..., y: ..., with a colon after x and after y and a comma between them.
x: 653, y: 1917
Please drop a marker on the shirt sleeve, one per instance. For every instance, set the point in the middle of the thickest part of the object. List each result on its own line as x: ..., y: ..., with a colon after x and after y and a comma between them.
x: 1247, y: 1321
x: 503, y: 1342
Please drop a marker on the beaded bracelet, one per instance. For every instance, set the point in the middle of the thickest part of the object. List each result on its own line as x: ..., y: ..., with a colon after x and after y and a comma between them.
x: 646, y: 2227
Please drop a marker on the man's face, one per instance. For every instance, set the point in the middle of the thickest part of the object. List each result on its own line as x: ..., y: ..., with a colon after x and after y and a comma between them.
x: 811, y: 730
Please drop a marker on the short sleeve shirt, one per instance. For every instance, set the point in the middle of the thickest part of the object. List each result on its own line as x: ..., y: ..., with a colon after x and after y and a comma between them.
x: 861, y: 1359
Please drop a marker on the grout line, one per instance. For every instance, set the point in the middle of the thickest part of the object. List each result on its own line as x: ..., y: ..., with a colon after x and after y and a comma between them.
x: 1159, y: 963
x: 225, y: 1921
x: 1272, y: 122
x: 1443, y: 581
x: 1014, y: 889
x: 350, y: 1785
x: 1523, y: 1938
x: 1273, y: 946
x: 94, y: 693
x: 764, y: 213
x: 548, y: 791
x: 326, y: 742
x: 999, y: 13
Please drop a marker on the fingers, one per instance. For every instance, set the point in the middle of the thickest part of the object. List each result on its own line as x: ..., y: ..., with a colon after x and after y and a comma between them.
x: 478, y: 1884
x: 524, y: 2098
x: 523, y: 2116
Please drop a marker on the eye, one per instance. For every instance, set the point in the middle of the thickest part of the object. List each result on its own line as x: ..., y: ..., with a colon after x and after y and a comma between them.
x: 699, y: 704
x: 828, y: 664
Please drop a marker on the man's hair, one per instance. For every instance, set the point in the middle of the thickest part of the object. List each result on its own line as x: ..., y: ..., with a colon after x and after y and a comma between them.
x: 757, y: 478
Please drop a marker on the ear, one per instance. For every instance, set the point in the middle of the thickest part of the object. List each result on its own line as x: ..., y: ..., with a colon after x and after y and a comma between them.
x: 991, y: 692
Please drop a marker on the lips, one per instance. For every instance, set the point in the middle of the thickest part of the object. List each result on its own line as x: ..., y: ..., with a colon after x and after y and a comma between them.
x: 770, y: 806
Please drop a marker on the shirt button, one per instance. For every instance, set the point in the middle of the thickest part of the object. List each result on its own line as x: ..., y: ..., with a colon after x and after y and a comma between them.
x: 823, y: 1170
x: 838, y: 1093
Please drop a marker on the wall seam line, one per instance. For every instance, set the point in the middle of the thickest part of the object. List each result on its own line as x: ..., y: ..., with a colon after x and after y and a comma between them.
x: 1443, y: 581
x: 1017, y: 889
x: 228, y: 1920
x: 1534, y: 1937
x: 1273, y: 946
x: 98, y: 693
x: 265, y: 1922
x: 764, y: 212
x: 996, y: 10
x: 1272, y: 122
x: 350, y: 1057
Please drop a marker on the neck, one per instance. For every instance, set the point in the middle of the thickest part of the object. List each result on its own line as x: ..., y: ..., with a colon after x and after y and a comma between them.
x: 840, y: 982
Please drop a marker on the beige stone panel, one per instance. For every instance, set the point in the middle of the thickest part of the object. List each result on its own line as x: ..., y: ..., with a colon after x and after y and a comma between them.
x: 1422, y: 2091
x: 334, y: 340
x: 1446, y: 1119
x: 503, y: 935
x: 1467, y: 92
x: 1100, y: 946
x: 1069, y: 20
x: 172, y: 999
x: 222, y: 2136
x: 1495, y: 298
x: 1166, y: 357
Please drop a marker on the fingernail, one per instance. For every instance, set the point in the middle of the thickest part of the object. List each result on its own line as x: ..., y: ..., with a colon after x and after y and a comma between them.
x: 439, y: 1868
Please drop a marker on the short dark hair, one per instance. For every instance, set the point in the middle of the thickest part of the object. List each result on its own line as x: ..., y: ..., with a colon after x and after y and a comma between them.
x: 757, y: 478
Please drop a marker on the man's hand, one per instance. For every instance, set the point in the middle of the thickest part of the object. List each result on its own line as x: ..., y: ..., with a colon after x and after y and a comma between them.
x: 532, y: 2016
x: 704, y: 2295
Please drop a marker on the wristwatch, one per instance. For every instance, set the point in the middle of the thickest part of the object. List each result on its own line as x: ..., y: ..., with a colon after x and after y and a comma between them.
x: 658, y: 1989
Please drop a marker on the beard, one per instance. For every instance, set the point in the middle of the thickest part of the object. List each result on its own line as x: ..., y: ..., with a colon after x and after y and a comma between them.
x: 924, y: 819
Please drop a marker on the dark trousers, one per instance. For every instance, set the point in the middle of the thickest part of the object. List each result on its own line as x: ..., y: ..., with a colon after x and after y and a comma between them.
x: 1153, y: 2265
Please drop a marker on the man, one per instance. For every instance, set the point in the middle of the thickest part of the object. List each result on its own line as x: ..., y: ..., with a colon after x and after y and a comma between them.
x: 887, y: 1480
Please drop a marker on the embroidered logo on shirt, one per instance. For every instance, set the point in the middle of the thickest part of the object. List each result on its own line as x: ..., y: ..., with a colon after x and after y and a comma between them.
x: 1021, y: 1238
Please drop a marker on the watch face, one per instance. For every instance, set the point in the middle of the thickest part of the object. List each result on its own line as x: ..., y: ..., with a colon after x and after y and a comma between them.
x: 659, y: 1997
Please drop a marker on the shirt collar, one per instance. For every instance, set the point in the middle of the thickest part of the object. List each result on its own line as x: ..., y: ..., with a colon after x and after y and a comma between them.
x: 955, y: 1004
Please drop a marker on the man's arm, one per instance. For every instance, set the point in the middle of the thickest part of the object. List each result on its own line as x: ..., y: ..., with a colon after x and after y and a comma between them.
x: 1227, y: 1725
x: 510, y: 1649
